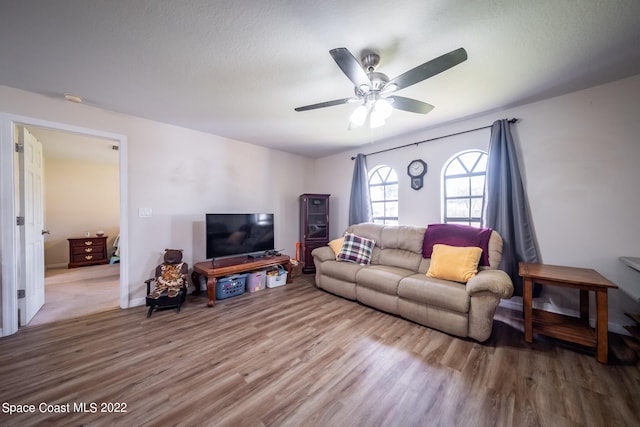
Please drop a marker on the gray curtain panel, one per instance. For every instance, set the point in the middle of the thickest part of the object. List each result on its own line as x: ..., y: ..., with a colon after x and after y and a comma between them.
x: 360, y: 201
x: 506, y: 207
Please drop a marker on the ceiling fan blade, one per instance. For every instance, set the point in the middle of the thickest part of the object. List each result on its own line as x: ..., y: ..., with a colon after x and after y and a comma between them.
x: 350, y: 66
x: 325, y: 104
x: 429, y: 69
x: 411, y: 105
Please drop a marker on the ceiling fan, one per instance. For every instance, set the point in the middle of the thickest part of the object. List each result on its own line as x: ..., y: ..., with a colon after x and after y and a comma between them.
x: 375, y: 89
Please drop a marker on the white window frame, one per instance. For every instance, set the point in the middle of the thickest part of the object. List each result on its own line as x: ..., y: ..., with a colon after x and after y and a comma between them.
x: 385, y: 182
x: 471, y: 171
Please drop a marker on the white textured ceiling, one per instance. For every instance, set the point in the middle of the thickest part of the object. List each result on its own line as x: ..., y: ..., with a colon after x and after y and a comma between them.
x: 238, y: 68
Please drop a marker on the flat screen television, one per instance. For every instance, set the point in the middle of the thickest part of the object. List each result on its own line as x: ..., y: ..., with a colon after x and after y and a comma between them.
x: 237, y: 234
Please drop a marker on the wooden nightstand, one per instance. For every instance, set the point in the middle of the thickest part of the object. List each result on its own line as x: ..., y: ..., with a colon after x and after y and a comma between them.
x: 87, y: 251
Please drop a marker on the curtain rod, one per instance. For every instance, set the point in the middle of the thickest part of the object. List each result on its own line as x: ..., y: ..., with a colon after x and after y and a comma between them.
x: 514, y: 120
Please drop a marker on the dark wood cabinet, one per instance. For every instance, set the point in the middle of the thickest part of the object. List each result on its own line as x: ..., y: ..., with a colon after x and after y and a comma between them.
x: 87, y: 251
x: 314, y: 227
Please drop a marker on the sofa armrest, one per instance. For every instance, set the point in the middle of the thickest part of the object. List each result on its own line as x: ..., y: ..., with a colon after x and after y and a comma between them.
x: 496, y: 281
x: 323, y: 253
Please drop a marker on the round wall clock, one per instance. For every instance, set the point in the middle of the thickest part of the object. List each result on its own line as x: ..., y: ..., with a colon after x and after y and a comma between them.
x: 417, y: 169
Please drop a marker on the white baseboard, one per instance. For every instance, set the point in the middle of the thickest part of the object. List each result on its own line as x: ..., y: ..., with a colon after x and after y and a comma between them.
x: 515, y: 303
x: 137, y: 302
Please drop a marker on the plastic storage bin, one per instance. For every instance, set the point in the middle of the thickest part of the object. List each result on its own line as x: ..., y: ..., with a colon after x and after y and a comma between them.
x: 276, y: 277
x: 256, y: 280
x: 230, y: 286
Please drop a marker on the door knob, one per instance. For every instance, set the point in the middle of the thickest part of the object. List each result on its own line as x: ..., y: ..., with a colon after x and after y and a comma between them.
x: 45, y: 232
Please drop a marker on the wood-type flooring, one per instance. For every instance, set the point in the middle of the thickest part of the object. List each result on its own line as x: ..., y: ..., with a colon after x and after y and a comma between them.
x: 298, y: 356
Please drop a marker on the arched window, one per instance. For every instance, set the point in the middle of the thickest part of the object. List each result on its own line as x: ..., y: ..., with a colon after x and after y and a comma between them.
x: 383, y: 189
x: 463, y: 188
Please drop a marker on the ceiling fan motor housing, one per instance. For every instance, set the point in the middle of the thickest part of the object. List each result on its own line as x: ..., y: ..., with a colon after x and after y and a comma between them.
x: 369, y: 60
x: 378, y: 80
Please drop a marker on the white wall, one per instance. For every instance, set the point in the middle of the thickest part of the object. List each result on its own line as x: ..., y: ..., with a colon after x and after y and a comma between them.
x: 181, y: 174
x: 80, y: 196
x: 580, y: 157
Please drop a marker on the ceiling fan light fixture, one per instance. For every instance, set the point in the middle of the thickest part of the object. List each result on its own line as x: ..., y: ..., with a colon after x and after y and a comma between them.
x: 383, y: 108
x: 359, y: 116
x: 365, y: 88
x: 376, y: 120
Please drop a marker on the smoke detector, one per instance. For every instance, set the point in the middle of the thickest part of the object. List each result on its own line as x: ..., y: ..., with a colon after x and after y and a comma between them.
x: 72, y: 98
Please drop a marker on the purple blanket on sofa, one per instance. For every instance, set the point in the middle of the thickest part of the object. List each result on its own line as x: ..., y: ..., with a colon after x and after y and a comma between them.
x: 457, y: 235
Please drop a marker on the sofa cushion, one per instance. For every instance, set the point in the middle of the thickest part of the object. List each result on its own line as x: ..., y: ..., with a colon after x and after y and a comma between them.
x: 449, y: 321
x: 380, y: 300
x: 454, y: 263
x: 424, y: 265
x: 356, y: 249
x: 457, y: 235
x: 405, y: 237
x: 400, y: 258
x: 434, y: 292
x: 495, y: 251
x: 367, y: 229
x: 339, y: 287
x: 382, y: 278
x: 341, y: 270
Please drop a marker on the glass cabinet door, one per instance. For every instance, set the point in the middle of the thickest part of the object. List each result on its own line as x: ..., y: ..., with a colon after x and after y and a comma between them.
x: 317, y: 218
x: 314, y: 226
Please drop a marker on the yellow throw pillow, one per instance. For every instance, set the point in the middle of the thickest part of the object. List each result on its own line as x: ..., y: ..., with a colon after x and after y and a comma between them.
x: 454, y: 263
x: 336, y: 245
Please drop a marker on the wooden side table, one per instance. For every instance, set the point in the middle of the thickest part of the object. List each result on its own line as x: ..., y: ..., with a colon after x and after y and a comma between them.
x: 568, y: 328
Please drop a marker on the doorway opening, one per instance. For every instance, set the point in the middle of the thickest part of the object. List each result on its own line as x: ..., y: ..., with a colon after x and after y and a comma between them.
x: 11, y: 252
x: 81, y: 199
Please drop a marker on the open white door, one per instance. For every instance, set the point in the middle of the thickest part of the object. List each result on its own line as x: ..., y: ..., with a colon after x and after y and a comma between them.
x: 31, y: 271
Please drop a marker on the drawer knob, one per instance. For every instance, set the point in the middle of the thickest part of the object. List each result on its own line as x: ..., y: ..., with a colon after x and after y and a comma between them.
x: 88, y: 250
x: 89, y: 242
x: 88, y: 257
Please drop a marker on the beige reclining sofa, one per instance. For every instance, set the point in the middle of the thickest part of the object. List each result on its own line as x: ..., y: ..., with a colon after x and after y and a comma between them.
x: 396, y: 281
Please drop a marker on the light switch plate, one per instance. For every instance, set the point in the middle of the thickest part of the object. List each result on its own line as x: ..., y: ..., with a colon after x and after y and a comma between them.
x: 145, y: 212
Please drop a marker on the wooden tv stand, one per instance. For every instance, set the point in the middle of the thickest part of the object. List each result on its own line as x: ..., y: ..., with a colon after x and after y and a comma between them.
x: 225, y: 267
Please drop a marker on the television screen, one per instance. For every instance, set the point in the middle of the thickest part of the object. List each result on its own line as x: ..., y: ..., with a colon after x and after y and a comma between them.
x: 238, y: 234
